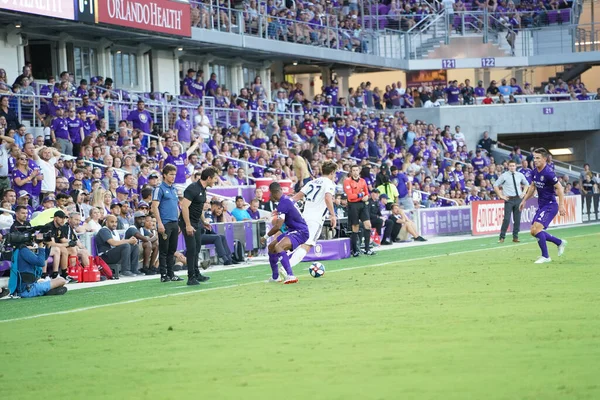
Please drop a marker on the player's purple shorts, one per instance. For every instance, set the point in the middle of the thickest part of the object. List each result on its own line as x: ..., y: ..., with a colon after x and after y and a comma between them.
x: 544, y: 215
x: 296, y: 237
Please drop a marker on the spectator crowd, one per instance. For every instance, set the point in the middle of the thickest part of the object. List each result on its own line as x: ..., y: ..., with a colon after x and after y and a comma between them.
x: 96, y: 179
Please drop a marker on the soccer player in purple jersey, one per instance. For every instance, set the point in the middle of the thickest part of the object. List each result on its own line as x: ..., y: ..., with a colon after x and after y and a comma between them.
x: 547, y: 186
x: 296, y: 235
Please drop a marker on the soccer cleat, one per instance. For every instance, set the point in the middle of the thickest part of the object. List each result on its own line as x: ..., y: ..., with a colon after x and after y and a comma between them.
x: 543, y: 260
x: 165, y: 278
x: 278, y: 280
x: 176, y: 278
x: 370, y: 253
x: 561, y: 248
x: 356, y: 254
x: 202, y: 278
x: 290, y: 279
x: 282, y: 272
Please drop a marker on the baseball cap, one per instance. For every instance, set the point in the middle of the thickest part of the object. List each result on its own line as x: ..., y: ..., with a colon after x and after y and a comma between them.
x: 143, y: 204
x: 384, y: 196
x: 60, y: 214
x: 113, y: 205
x: 47, y: 199
x: 23, y: 193
x: 153, y: 176
x: 94, y: 79
x: 191, y: 70
x: 122, y: 190
x: 375, y: 191
x: 138, y: 214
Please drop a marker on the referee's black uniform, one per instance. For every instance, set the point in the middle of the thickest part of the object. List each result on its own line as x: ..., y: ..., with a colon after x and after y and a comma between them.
x: 196, y: 194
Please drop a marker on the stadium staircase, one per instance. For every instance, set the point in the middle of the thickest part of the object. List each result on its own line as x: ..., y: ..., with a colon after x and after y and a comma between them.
x: 570, y: 72
x: 561, y: 168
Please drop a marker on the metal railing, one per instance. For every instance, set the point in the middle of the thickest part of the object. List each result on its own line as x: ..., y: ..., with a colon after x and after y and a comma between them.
x: 520, y: 99
x: 535, y: 33
x: 324, y: 31
x: 557, y: 163
x: 376, y: 31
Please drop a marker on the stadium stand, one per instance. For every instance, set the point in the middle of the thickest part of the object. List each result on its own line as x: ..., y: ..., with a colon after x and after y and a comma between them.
x: 115, y: 157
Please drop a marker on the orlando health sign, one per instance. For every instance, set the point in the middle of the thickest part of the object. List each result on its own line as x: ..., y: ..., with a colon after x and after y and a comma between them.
x: 164, y: 16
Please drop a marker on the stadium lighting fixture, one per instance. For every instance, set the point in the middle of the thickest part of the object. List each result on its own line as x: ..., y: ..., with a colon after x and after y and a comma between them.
x: 295, y: 63
x: 18, y: 24
x: 562, y: 152
x: 180, y: 49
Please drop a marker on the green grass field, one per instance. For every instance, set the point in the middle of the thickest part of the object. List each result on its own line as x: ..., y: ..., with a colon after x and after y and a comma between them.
x: 465, y: 320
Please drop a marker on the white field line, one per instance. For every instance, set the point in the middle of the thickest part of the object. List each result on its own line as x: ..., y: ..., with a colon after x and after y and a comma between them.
x: 203, y: 290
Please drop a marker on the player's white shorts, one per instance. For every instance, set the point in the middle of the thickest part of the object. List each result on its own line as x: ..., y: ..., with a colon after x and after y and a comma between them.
x: 314, y: 231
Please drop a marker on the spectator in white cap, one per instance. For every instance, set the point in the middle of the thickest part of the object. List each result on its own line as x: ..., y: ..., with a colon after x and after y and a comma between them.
x: 23, y: 200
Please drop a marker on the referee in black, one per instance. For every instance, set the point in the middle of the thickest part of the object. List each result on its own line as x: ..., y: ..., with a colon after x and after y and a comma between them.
x: 192, y: 215
x: 165, y: 209
x: 508, y: 188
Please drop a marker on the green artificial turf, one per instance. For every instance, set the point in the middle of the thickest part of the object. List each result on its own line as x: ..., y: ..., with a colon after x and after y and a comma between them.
x: 484, y: 324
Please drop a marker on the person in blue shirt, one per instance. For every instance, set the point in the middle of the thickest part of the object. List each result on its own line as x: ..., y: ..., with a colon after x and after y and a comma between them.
x: 504, y: 89
x: 27, y: 280
x: 239, y: 212
x: 165, y: 207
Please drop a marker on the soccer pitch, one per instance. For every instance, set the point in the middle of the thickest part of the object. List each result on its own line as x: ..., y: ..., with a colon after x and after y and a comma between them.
x: 464, y: 320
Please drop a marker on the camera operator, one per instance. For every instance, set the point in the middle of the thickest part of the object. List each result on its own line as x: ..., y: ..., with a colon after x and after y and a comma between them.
x: 21, y: 220
x: 30, y: 263
x: 58, y: 245
x: 75, y: 247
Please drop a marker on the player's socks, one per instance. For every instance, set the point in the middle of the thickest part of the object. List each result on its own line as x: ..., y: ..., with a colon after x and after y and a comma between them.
x: 354, y: 242
x: 553, y: 239
x: 285, y: 261
x: 297, y: 256
x: 367, y: 233
x: 273, y: 258
x: 541, y: 238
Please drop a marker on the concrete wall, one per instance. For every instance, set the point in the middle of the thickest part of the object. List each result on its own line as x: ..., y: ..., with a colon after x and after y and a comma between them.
x: 165, y: 71
x: 9, y: 58
x: 513, y: 119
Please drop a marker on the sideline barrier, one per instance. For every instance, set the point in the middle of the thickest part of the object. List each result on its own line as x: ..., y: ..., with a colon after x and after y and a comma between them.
x: 334, y: 249
x: 444, y: 220
x: 487, y: 216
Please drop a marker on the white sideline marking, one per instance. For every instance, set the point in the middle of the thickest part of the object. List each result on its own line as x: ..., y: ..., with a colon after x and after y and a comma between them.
x: 76, y: 310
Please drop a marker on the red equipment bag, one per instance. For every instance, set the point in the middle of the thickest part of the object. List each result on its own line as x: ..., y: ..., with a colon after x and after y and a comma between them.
x: 375, y: 238
x: 91, y: 272
x: 102, y: 266
x: 75, y: 270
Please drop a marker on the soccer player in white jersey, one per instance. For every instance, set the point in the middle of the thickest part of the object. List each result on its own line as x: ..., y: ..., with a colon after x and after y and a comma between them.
x: 318, y: 196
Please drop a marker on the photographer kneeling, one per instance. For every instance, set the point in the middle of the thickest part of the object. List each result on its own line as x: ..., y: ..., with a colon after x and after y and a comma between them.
x: 28, y: 281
